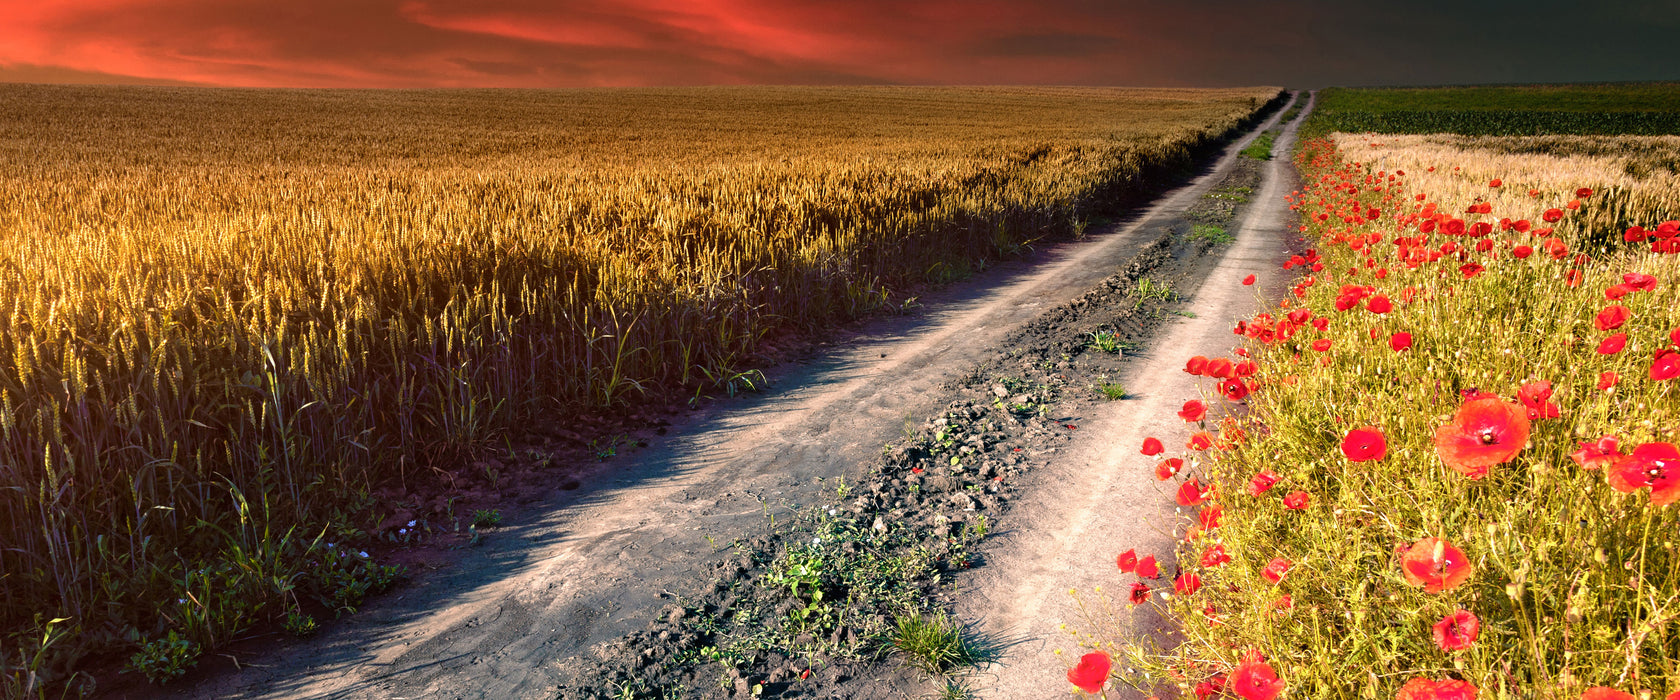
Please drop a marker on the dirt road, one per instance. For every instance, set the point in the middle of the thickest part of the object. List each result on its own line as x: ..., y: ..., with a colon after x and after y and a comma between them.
x: 588, y: 565
x: 1102, y: 497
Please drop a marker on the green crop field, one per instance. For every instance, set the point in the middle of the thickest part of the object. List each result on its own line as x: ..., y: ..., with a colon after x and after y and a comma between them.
x: 1627, y: 108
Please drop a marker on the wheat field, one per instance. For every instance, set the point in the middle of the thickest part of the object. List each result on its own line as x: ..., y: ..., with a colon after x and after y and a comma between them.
x: 227, y: 316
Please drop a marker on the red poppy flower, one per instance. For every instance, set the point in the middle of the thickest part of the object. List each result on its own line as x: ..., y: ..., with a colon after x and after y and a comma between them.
x: 1214, y: 556
x: 1495, y: 182
x: 1536, y: 398
x: 1457, y: 631
x: 1190, y: 493
x: 1200, y: 441
x: 1276, y: 569
x: 1612, y: 344
x: 1606, y: 693
x: 1246, y: 368
x: 1522, y: 251
x: 1653, y: 464
x: 1092, y: 672
x: 1262, y: 482
x: 1365, y: 444
x: 1127, y: 561
x: 1612, y: 317
x: 1666, y: 365
x: 1583, y: 193
x: 1193, y: 411
x: 1296, y: 500
x: 1674, y: 337
x: 1219, y: 368
x: 1140, y: 593
x: 1147, y: 568
x: 1425, y: 689
x: 1168, y: 468
x: 1379, y: 304
x: 1435, y: 565
x: 1552, y: 215
x: 1196, y: 365
x: 1470, y: 270
x: 1602, y: 452
x: 1209, y: 516
x: 1152, y: 447
x: 1255, y: 680
x: 1639, y: 281
x: 1487, y: 430
x: 1248, y: 280
x: 1234, y: 389
x: 1400, y: 341
x: 1321, y: 345
x: 1607, y: 380
x: 1186, y: 583
x: 1572, y: 278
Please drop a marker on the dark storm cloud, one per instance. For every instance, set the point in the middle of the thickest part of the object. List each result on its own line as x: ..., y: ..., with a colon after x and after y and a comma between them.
x: 549, y: 43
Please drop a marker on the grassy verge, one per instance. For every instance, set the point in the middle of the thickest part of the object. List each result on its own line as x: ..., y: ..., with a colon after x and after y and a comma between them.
x: 1458, y: 457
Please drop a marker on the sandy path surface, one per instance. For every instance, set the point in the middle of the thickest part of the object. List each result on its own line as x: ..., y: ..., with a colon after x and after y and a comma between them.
x: 1102, y: 497
x: 589, y: 565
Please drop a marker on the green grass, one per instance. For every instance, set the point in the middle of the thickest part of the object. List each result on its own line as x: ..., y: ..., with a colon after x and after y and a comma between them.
x: 1114, y: 391
x: 934, y: 644
x: 1211, y: 235
x: 1260, y: 148
x: 1231, y: 194
x: 1628, y: 108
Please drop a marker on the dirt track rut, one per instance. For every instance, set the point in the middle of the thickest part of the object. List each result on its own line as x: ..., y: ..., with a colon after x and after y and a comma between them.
x: 588, y: 565
x: 1102, y: 497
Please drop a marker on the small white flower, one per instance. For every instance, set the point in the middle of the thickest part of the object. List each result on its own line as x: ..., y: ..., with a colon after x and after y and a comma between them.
x: 402, y: 531
x: 411, y: 523
x: 364, y: 554
x: 816, y: 541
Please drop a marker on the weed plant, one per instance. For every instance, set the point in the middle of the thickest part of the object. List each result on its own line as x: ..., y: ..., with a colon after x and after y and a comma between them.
x: 933, y: 643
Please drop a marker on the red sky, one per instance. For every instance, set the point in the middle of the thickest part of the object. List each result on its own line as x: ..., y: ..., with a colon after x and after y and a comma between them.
x: 568, y: 43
